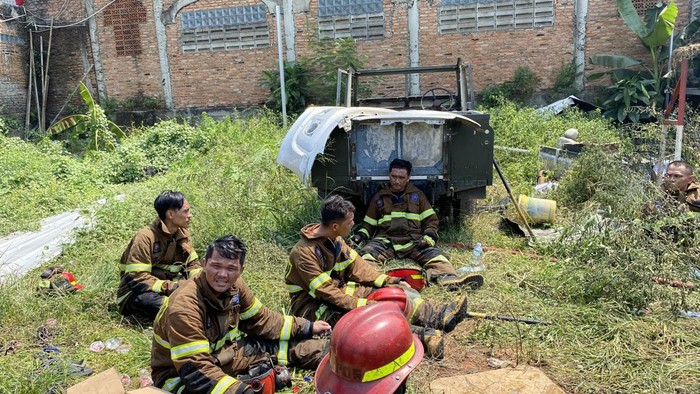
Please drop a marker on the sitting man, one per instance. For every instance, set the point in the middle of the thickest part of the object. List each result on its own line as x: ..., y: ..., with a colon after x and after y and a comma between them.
x: 326, y: 278
x: 212, y: 332
x: 401, y: 223
x: 680, y: 184
x: 157, y: 257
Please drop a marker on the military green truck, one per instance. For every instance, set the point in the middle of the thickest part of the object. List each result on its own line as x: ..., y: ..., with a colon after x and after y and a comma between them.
x: 346, y: 149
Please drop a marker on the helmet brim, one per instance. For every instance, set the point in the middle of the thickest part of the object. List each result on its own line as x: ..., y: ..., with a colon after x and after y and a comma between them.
x: 327, y: 382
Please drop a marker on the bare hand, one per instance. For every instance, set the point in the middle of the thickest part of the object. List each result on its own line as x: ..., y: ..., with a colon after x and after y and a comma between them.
x: 321, y: 328
x: 405, y: 284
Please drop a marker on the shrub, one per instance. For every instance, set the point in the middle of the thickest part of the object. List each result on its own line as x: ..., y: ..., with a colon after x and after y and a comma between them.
x: 520, y: 89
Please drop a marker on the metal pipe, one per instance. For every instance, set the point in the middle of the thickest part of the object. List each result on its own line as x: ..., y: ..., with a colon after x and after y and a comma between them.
x: 283, y: 91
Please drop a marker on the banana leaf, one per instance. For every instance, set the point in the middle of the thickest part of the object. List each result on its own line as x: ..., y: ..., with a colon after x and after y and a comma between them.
x: 76, y: 122
x: 663, y: 27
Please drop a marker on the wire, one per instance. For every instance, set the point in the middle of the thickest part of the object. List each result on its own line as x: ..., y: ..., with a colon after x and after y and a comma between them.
x: 73, y: 23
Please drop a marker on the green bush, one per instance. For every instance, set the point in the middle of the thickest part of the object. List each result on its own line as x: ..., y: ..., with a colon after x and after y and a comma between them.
x: 520, y: 89
x: 9, y: 125
x: 297, y: 87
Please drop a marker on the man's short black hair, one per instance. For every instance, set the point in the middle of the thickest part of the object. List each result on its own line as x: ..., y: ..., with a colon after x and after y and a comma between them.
x: 401, y: 164
x: 166, y: 200
x: 682, y: 163
x: 335, y: 208
x: 229, y: 247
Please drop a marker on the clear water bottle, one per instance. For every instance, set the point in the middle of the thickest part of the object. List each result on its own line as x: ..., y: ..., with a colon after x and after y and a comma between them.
x: 476, y: 265
x: 145, y: 379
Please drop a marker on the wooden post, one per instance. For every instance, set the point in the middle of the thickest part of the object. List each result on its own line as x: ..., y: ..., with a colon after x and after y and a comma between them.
x: 45, y: 87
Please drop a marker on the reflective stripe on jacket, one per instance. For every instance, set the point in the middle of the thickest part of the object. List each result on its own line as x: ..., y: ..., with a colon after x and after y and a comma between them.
x: 194, y: 326
x: 403, y: 220
x: 330, y: 272
x: 155, y: 259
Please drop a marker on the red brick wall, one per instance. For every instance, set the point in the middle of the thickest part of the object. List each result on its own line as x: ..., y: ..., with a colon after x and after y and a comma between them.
x: 13, y: 71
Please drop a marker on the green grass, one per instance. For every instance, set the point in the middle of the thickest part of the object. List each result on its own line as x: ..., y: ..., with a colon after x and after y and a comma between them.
x: 595, y: 344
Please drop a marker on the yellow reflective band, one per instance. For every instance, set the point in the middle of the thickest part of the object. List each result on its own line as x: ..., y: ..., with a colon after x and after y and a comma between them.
x: 417, y: 276
x: 400, y: 215
x: 368, y: 257
x: 379, y: 282
x: 171, y: 384
x: 430, y: 240
x: 223, y: 385
x: 339, y: 266
x: 317, y: 282
x: 194, y: 272
x: 161, y: 341
x: 350, y: 288
x: 174, y: 268
x: 189, y: 349
x: 282, y: 353
x: 364, y: 231
x: 286, y: 331
x: 193, y: 257
x: 361, y: 302
x: 389, y: 368
x: 162, y: 309
x: 181, y: 390
x: 158, y: 286
x: 428, y: 212
x: 370, y: 221
x: 252, y: 310
x: 404, y: 246
x: 321, y: 309
x: 294, y: 288
x: 416, y: 304
x: 232, y: 335
x: 438, y: 258
x: 135, y: 267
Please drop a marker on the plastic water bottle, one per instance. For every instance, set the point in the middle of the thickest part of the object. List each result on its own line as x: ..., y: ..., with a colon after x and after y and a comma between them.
x: 476, y: 265
x: 145, y: 379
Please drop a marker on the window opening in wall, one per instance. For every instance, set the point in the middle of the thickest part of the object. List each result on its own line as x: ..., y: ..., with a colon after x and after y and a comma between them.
x: 361, y: 19
x: 11, y: 39
x: 643, y: 5
x: 471, y: 16
x: 222, y: 29
x: 124, y: 16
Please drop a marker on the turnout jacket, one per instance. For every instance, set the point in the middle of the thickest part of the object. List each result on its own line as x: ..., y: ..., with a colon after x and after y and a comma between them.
x: 195, y: 328
x: 691, y: 197
x: 330, y: 272
x: 402, y: 220
x: 154, y: 260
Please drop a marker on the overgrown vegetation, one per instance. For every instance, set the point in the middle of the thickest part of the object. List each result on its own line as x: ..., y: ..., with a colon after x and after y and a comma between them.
x: 313, y: 80
x: 520, y: 89
x: 592, y: 284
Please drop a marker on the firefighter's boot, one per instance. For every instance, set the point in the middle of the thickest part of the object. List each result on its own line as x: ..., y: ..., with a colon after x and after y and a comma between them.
x: 433, y: 341
x: 441, y: 317
x: 454, y: 282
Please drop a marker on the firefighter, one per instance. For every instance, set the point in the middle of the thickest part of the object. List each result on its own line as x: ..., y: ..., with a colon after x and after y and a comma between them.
x: 359, y: 363
x: 212, y: 332
x: 157, y: 257
x: 401, y: 223
x: 326, y: 278
x: 681, y: 185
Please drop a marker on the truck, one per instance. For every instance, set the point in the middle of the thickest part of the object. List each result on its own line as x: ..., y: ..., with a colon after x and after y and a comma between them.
x: 346, y: 149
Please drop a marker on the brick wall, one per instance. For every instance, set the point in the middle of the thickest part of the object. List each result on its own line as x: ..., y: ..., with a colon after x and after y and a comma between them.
x: 233, y: 77
x: 13, y: 68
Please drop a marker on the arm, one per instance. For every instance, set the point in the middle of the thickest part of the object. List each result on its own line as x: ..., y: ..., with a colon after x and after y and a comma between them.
x: 264, y: 322
x: 358, y: 270
x: 192, y: 263
x: 318, y: 284
x: 371, y: 220
x: 190, y: 352
x: 429, y: 221
x: 137, y: 263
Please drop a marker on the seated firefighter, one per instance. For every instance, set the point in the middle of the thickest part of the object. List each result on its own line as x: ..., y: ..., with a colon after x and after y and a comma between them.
x: 680, y: 184
x: 401, y: 223
x: 326, y: 279
x: 213, y: 333
x: 157, y: 257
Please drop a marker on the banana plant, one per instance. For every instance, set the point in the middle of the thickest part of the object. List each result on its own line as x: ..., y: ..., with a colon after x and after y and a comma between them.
x: 102, y: 133
x: 633, y: 73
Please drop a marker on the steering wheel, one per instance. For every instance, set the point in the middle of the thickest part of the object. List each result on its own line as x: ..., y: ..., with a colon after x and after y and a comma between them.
x: 436, y: 103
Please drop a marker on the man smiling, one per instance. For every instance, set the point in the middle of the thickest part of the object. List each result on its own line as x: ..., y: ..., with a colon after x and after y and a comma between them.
x: 213, y: 331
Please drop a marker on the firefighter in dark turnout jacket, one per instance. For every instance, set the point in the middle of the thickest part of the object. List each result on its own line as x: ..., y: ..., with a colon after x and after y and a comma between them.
x: 212, y: 330
x: 401, y: 223
x: 326, y: 278
x: 157, y: 257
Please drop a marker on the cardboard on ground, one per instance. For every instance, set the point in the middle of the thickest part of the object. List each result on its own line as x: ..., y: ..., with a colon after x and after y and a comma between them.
x: 518, y: 380
x: 107, y: 382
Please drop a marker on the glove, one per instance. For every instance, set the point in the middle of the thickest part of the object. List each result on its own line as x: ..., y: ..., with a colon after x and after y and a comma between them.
x: 225, y: 356
x: 425, y: 242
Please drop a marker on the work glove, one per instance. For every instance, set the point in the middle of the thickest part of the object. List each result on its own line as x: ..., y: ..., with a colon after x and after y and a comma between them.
x: 225, y: 356
x: 425, y: 242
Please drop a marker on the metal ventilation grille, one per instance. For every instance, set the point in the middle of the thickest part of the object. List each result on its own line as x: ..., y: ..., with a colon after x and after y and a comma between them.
x: 223, y: 29
x: 361, y: 19
x: 471, y: 16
